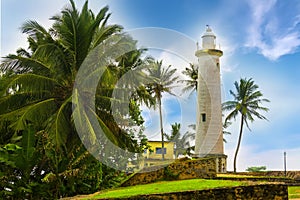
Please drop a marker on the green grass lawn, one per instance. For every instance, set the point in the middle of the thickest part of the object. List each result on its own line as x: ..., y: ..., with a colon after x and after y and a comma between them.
x: 294, y: 192
x: 236, y: 176
x: 166, y: 186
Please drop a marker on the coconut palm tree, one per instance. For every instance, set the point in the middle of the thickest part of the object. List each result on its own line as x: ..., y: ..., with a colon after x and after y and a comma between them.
x: 47, y: 71
x: 247, y: 102
x: 39, y: 93
x: 182, y: 144
x: 191, y: 83
x: 162, y: 82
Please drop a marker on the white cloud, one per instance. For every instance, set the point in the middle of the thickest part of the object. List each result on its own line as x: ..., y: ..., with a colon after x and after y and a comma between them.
x: 282, y: 45
x: 265, y: 32
x: 296, y: 22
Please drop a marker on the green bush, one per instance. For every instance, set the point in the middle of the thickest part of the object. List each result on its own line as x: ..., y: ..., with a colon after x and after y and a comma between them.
x: 256, y: 169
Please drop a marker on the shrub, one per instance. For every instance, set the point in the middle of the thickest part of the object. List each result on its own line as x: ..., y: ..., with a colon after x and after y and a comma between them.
x: 256, y: 169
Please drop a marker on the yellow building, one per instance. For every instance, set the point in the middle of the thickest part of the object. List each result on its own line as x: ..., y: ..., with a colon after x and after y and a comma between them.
x: 154, y: 154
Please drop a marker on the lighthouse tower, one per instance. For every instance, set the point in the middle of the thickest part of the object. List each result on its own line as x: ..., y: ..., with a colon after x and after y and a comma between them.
x: 209, y: 129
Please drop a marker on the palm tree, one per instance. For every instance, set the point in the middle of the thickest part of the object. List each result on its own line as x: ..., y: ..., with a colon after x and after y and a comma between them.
x: 191, y: 83
x: 39, y: 93
x: 122, y: 85
x: 225, y: 125
x: 162, y: 81
x: 247, y: 102
x: 47, y: 72
x: 182, y: 144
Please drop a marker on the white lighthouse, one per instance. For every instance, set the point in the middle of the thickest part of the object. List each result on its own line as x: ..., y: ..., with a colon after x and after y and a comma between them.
x: 209, y: 130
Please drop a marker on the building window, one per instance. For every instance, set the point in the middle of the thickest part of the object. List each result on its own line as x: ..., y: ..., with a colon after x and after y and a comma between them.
x: 158, y: 150
x: 203, y: 116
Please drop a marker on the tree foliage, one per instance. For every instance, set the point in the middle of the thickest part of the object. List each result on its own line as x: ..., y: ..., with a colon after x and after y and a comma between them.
x: 256, y: 169
x: 247, y: 103
x: 162, y: 82
x: 182, y: 143
x: 191, y: 82
x: 42, y: 156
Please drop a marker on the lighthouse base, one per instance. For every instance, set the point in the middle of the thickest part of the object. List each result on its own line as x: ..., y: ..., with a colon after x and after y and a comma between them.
x: 220, y: 159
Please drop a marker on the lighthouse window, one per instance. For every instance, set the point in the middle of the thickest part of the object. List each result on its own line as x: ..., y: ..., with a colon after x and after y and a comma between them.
x: 203, y: 116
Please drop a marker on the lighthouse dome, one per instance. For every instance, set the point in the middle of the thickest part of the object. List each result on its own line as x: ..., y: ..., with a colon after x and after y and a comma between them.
x: 208, y: 39
x: 208, y: 32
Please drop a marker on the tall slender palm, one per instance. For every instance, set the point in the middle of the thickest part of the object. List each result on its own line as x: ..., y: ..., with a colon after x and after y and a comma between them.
x: 182, y: 143
x: 191, y: 83
x: 162, y: 81
x: 247, y: 102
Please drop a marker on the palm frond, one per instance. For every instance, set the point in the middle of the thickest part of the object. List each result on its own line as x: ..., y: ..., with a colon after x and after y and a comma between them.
x: 36, y: 114
x: 28, y: 143
x: 56, y: 58
x: 82, y: 115
x: 247, y: 100
x: 24, y: 64
x: 34, y: 29
x: 60, y: 128
x: 16, y: 101
x: 191, y: 83
x: 231, y: 115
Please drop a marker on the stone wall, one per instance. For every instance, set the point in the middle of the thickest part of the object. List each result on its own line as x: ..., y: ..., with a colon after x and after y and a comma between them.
x: 252, y: 192
x: 178, y: 170
x: 289, y: 174
x: 258, y: 179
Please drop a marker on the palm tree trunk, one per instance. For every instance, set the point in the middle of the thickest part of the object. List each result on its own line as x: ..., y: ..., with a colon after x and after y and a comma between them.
x: 161, y: 129
x: 239, y: 143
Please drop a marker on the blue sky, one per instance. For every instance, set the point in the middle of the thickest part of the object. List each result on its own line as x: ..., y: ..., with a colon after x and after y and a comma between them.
x: 260, y: 40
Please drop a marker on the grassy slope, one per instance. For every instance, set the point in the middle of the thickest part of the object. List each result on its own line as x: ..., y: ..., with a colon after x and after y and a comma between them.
x: 294, y: 192
x: 167, y: 186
